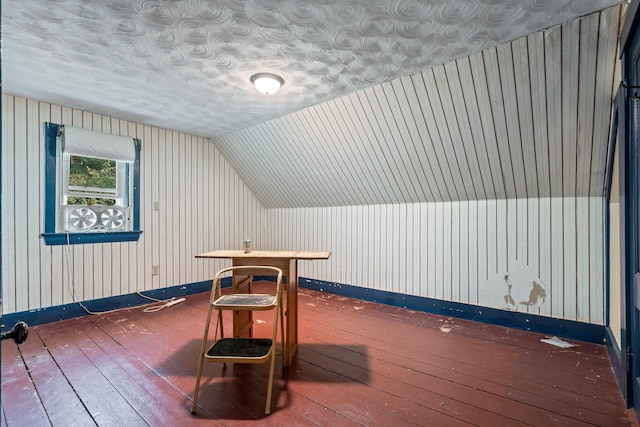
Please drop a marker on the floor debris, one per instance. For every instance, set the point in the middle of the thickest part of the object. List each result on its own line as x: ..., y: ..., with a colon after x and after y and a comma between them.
x: 557, y: 342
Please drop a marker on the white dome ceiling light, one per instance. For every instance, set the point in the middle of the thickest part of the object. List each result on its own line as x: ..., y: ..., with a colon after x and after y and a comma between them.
x: 267, y: 83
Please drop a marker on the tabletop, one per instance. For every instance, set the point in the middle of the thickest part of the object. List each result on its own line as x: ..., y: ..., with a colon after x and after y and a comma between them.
x: 266, y: 254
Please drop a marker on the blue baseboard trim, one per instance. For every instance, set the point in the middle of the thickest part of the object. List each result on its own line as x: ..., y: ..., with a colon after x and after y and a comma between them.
x: 568, y: 329
x: 530, y: 322
x: 73, y: 310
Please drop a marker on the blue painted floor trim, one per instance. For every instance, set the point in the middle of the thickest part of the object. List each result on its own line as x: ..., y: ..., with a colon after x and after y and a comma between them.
x: 529, y: 322
x: 73, y: 310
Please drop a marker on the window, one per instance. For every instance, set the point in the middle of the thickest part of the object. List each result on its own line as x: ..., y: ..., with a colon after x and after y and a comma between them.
x: 92, y: 186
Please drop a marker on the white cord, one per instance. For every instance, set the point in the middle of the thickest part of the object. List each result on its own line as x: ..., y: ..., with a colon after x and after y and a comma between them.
x: 165, y: 304
x: 101, y: 312
x: 171, y: 302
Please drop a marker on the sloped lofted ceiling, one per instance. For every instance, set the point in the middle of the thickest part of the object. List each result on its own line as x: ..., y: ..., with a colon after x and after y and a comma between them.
x: 368, y: 113
x: 528, y: 118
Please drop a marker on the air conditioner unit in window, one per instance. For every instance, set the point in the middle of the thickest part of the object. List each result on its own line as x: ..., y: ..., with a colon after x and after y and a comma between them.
x: 81, y: 218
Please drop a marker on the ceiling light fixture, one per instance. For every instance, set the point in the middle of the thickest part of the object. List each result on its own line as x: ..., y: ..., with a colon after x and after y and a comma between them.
x: 267, y: 83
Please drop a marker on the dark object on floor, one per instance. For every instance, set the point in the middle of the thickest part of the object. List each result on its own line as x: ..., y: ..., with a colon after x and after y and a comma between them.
x: 19, y: 333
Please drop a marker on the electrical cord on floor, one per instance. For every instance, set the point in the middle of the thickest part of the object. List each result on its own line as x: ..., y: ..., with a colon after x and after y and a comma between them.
x: 163, y: 304
x: 100, y: 312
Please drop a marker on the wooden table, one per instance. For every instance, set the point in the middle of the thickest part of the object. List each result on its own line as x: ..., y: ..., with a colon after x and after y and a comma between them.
x: 287, y: 261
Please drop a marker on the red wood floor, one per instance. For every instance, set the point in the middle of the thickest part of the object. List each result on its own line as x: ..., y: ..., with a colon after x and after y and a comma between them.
x: 358, y: 363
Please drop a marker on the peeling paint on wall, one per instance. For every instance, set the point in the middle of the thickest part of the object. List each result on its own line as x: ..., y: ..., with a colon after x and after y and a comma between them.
x: 518, y: 289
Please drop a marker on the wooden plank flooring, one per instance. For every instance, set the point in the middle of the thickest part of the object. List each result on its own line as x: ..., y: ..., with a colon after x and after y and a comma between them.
x: 358, y: 363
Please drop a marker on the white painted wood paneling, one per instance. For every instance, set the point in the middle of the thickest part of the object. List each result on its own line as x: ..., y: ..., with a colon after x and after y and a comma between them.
x: 460, y: 251
x: 526, y: 119
x: 203, y: 205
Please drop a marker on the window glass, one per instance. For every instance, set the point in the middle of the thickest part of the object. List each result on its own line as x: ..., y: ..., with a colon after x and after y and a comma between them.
x: 91, y: 181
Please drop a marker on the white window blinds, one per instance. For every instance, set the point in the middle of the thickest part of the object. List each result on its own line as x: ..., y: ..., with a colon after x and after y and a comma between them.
x: 88, y: 143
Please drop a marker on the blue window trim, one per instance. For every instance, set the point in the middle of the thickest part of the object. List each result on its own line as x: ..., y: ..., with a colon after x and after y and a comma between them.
x: 51, y: 237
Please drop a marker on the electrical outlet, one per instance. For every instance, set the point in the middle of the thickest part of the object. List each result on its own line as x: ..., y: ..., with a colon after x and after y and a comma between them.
x: 155, y: 270
x: 156, y: 206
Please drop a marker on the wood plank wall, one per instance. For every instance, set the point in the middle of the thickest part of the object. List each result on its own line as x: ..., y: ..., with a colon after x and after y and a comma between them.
x: 460, y: 251
x: 202, y: 205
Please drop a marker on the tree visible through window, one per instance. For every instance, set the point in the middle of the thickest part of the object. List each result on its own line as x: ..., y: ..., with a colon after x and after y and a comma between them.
x: 91, y: 181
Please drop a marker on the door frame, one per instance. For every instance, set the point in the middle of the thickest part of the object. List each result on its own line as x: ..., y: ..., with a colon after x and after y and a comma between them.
x: 626, y: 110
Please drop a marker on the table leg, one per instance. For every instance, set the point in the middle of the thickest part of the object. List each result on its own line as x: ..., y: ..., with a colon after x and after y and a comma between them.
x: 291, y: 312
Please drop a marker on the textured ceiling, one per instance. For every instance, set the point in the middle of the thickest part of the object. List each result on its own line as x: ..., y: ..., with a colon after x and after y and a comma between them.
x: 185, y: 65
x: 525, y: 119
